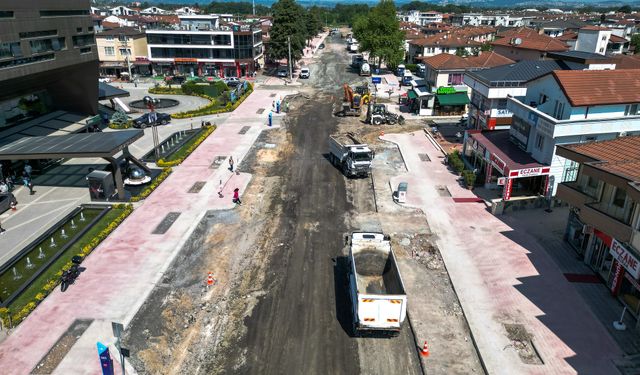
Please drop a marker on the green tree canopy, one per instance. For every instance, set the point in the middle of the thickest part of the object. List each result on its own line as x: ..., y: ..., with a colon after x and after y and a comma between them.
x: 288, y: 22
x: 378, y: 33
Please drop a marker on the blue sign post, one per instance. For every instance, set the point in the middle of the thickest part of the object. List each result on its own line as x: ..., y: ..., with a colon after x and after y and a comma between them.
x: 376, y: 80
x: 105, y: 359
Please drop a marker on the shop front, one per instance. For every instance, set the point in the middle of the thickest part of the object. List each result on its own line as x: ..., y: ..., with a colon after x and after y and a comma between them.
x: 450, y: 102
x: 577, y: 233
x: 626, y: 271
x: 112, y: 69
x: 501, y: 165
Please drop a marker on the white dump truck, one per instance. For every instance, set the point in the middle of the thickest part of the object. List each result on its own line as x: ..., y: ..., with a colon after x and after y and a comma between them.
x: 377, y: 293
x: 351, y: 156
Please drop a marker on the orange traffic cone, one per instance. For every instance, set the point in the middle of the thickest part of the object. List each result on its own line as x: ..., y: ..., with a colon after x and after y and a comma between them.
x: 210, y: 279
x: 425, y: 350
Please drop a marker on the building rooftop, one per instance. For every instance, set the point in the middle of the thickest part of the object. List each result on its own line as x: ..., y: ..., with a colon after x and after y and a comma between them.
x: 564, y: 24
x: 445, y: 61
x: 599, y: 87
x: 617, y: 39
x: 627, y: 61
x: 525, y: 38
x: 578, y: 56
x: 523, y: 71
x: 488, y: 60
x: 498, y: 142
x: 620, y: 156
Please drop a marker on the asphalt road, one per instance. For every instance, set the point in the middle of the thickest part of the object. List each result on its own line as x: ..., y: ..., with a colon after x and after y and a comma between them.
x: 303, y: 322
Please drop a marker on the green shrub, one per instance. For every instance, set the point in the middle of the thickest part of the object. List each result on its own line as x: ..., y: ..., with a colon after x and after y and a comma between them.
x: 469, y: 178
x: 412, y: 67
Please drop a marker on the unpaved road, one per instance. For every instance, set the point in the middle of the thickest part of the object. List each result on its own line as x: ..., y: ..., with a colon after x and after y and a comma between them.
x: 280, y: 305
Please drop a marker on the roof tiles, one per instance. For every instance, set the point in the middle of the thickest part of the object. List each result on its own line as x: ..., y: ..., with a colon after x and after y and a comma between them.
x: 620, y: 156
x: 599, y: 87
x: 530, y: 39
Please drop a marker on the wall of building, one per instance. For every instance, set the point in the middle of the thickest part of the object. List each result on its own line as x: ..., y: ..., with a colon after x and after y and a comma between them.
x: 518, y: 54
x: 594, y: 41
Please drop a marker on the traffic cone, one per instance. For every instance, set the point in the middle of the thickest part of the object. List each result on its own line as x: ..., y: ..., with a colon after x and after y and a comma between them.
x: 210, y: 279
x: 425, y: 350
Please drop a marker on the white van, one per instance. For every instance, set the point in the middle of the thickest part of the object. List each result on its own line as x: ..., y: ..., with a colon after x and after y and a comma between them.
x: 304, y: 73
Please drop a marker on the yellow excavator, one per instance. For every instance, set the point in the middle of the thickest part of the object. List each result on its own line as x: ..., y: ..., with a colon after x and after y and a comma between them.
x: 351, y: 104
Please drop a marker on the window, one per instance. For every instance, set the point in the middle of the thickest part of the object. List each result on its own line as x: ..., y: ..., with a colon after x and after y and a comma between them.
x: 83, y: 40
x: 36, y: 34
x: 604, y: 37
x: 632, y: 110
x: 109, y: 51
x: 26, y: 60
x: 570, y: 173
x: 123, y: 38
x: 455, y: 79
x: 6, y: 14
x: 539, y: 141
x: 90, y: 28
x: 78, y: 29
x: 10, y: 50
x: 109, y: 37
x: 602, y: 50
x: 558, y: 110
x: 47, y: 45
x: 64, y: 13
x: 543, y: 99
x: 125, y: 51
x: 85, y: 50
x: 619, y: 197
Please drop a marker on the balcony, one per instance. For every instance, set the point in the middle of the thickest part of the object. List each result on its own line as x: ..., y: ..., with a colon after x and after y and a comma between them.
x: 599, y: 216
x: 571, y: 193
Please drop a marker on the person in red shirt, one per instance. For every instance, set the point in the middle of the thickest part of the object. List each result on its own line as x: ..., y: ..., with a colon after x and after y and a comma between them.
x: 236, y: 196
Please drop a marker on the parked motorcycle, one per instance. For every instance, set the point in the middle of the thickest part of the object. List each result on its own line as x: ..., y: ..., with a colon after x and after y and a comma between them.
x: 69, y: 276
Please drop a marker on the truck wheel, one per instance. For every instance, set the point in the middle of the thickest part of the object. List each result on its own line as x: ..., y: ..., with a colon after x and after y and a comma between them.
x: 392, y: 121
x: 376, y: 121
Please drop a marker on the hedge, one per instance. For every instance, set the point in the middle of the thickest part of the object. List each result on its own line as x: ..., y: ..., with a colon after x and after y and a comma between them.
x: 127, y: 125
x: 149, y: 189
x: 166, y: 90
x: 186, y: 149
x: 211, y: 108
x: 49, y: 285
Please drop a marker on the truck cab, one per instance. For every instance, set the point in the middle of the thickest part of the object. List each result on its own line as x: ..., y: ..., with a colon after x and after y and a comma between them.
x: 407, y: 77
x: 360, y: 158
x: 400, y: 70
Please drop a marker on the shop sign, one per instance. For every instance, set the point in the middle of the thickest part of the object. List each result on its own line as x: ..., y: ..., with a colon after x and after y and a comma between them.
x: 501, y: 181
x: 626, y: 258
x: 185, y: 60
x: 503, y: 113
x: 529, y: 172
x: 142, y: 59
x: 617, y: 279
x: 443, y: 90
x: 507, y: 189
x: 498, y: 163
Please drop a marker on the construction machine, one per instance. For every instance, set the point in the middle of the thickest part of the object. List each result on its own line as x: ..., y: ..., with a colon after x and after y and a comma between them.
x: 364, y: 93
x: 378, y: 114
x: 352, y: 103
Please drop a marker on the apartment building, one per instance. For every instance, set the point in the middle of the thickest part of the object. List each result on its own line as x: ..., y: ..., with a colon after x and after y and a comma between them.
x: 48, y: 59
x: 601, y: 183
x: 204, y: 45
x: 420, y: 18
x: 526, y: 44
x: 121, y: 46
x: 574, y: 106
x: 496, y: 20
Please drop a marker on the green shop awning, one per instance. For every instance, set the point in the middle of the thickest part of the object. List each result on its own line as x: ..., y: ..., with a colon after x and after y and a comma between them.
x: 412, y: 94
x: 459, y: 98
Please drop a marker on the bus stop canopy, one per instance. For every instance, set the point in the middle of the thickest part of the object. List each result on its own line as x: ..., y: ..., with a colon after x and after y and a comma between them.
x: 80, y: 145
x: 106, y: 91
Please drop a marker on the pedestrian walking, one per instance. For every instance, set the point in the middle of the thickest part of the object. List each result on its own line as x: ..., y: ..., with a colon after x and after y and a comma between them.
x: 231, y: 163
x: 2, y: 230
x: 273, y: 105
x: 236, y: 196
x: 30, y: 186
x: 286, y: 106
x: 270, y: 118
x: 28, y: 169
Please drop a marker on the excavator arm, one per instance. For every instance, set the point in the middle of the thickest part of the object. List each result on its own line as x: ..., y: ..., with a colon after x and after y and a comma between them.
x: 348, y: 93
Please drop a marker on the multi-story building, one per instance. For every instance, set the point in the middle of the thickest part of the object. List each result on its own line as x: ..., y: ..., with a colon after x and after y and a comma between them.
x: 574, y: 106
x: 601, y: 183
x: 203, y: 45
x: 527, y: 44
x: 421, y: 18
x: 48, y: 59
x: 593, y: 39
x: 119, y: 47
x: 479, y: 19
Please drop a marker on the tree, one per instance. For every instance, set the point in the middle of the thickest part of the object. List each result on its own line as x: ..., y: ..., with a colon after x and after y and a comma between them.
x: 378, y: 33
x: 314, y: 24
x: 635, y: 41
x: 625, y: 9
x: 288, y: 22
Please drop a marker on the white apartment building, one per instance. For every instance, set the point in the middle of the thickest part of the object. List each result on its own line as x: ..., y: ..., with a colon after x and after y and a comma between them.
x: 420, y: 18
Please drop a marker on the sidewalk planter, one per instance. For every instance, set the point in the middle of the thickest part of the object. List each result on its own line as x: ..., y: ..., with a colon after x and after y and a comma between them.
x: 469, y: 178
x: 212, y: 108
x: 179, y: 156
x: 456, y: 162
x: 46, y: 286
x: 149, y: 189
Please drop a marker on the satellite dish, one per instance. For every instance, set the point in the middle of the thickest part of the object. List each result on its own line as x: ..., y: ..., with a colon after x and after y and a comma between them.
x: 517, y: 41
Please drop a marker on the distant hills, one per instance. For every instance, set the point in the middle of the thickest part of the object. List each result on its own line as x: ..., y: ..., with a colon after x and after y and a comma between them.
x: 475, y: 3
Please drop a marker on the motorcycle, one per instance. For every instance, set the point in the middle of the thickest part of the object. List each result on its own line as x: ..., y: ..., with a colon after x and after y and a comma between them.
x: 69, y: 276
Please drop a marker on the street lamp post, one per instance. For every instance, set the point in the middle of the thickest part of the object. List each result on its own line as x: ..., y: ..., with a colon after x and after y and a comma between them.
x: 151, y: 104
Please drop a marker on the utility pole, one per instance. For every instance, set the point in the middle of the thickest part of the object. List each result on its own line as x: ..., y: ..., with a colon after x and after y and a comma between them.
x: 125, y: 44
x: 254, y: 7
x: 290, y: 67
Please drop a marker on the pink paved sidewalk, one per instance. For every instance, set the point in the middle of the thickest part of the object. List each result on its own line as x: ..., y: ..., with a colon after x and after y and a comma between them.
x: 122, y: 271
x: 503, y: 277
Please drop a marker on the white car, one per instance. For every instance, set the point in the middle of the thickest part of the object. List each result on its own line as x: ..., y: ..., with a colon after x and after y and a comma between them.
x: 104, y: 79
x: 304, y: 73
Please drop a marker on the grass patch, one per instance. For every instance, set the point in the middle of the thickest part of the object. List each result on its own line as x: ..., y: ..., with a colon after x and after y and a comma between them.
x: 48, y: 280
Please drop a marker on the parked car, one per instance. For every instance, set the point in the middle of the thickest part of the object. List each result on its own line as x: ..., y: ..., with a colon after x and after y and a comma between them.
x: 143, y: 121
x: 304, y: 73
x: 321, y: 46
x: 232, y: 81
x: 283, y: 71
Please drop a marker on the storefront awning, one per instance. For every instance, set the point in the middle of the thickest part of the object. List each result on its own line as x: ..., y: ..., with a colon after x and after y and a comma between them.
x: 505, y: 156
x: 412, y: 94
x: 459, y: 98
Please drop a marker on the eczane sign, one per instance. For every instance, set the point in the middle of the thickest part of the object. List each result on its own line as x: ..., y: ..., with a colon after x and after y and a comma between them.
x: 626, y: 258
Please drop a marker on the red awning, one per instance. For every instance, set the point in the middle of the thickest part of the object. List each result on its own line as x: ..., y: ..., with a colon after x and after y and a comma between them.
x: 507, y: 156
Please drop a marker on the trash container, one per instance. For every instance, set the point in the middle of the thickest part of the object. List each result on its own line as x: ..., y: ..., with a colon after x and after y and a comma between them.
x: 402, y: 192
x: 101, y: 186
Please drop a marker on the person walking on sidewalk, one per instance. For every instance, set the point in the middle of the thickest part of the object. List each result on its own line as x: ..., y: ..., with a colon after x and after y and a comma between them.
x: 28, y: 169
x: 2, y: 230
x: 236, y: 196
x: 231, y: 163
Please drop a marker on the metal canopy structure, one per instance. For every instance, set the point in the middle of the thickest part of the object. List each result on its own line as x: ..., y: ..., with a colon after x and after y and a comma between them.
x: 106, y: 91
x: 81, y: 145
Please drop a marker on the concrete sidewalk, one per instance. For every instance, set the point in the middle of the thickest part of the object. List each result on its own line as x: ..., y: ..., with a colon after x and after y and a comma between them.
x: 502, y: 277
x: 124, y: 269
